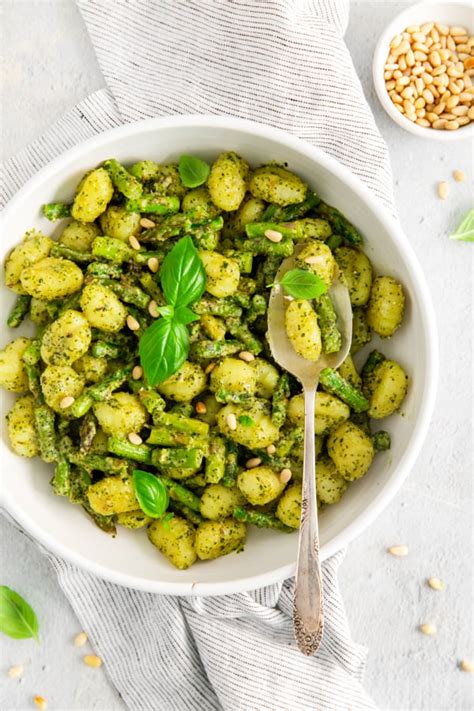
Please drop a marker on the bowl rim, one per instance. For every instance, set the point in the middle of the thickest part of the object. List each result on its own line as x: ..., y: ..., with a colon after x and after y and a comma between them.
x: 420, y: 428
x: 380, y: 53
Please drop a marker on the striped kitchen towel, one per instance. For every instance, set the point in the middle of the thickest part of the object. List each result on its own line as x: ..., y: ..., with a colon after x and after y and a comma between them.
x: 281, y: 62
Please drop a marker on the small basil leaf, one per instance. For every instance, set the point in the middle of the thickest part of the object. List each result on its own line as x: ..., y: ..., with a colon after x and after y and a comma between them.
x: 166, y: 520
x: 166, y: 311
x: 163, y: 349
x: 303, y: 284
x: 465, y: 231
x: 151, y: 493
x: 182, y: 274
x: 185, y: 315
x: 17, y: 618
x: 192, y: 171
x: 246, y: 421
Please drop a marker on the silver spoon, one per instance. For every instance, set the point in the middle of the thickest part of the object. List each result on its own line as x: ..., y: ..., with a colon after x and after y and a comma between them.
x: 308, y: 611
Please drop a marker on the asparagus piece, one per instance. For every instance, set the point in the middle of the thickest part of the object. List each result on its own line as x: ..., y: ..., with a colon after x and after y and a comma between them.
x: 361, y: 334
x: 193, y: 516
x: 245, y: 259
x: 99, y: 392
x: 124, y: 181
x: 44, y: 425
x: 104, y: 270
x: 87, y: 432
x: 153, y: 404
x: 362, y: 420
x: 286, y: 443
x: 123, y: 448
x: 339, y: 223
x: 164, y: 437
x: 215, y: 460
x: 280, y: 400
x: 56, y: 210
x: 180, y: 423
x: 223, y: 395
x: 80, y: 480
x: 223, y: 307
x: 60, y: 250
x: 374, y: 359
x: 154, y: 204
x: 151, y: 287
x: 177, y: 458
x: 60, y: 481
x: 208, y: 350
x: 260, y: 519
x: 231, y: 466
x: 262, y: 245
x: 258, y: 307
x: 105, y: 523
x: 258, y: 229
x: 72, y: 302
x: 99, y: 462
x: 19, y: 311
x: 335, y: 384
x: 180, y: 493
x: 334, y: 241
x: 103, y: 349
x: 327, y: 320
x: 130, y: 294
x: 381, y: 441
x: 242, y: 332
x: 111, y: 249
x: 144, y: 170
x: 276, y: 213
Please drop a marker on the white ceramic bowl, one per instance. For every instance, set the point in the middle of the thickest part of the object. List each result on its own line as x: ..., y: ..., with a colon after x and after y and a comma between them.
x: 458, y: 14
x: 269, y: 556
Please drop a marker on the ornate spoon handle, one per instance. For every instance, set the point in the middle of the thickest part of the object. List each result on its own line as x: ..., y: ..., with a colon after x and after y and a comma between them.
x: 308, y: 617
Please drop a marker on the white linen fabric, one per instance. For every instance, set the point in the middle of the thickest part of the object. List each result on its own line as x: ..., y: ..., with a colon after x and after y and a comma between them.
x: 281, y: 62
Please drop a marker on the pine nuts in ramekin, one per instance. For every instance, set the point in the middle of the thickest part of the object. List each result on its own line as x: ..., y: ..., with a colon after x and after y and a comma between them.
x: 427, y: 71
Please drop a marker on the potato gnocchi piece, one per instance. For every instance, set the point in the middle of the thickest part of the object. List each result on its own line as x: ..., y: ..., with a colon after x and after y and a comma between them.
x: 52, y: 278
x: 12, y: 371
x: 322, y: 262
x: 330, y: 485
x: 348, y: 371
x: 214, y: 327
x: 217, y: 538
x: 34, y: 248
x: 277, y: 185
x: 223, y: 274
x: 267, y: 378
x: 121, y: 414
x: 289, y: 506
x: 21, y: 428
x: 260, y: 485
x: 260, y: 433
x: 185, y: 384
x: 79, y: 235
x: 133, y: 519
x: 301, y: 323
x: 218, y: 501
x: 387, y: 387
x: 175, y: 539
x: 92, y: 369
x: 199, y: 200
x: 66, y: 339
x: 94, y: 193
x: 386, y: 306
x: 40, y: 312
x: 357, y: 273
x: 112, y: 495
x: 116, y: 222
x: 235, y: 376
x: 58, y: 382
x: 227, y: 181
x: 102, y: 308
x: 251, y: 210
x: 329, y: 411
x: 351, y: 450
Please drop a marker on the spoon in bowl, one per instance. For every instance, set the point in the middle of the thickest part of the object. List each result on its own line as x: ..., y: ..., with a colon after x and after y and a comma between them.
x: 308, y: 612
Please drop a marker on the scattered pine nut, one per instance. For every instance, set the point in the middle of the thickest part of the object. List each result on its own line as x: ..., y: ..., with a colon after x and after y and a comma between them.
x: 137, y: 372
x: 210, y: 368
x: 466, y: 665
x: 132, y: 323
x: 252, y: 463
x: 459, y: 176
x: 436, y: 584
x: 271, y: 449
x: 201, y: 409
x: 443, y: 190
x: 428, y: 629
x: 67, y: 402
x: 16, y: 671
x: 134, y: 243
x: 153, y: 264
x: 80, y: 639
x: 399, y: 551
x: 92, y: 660
x: 246, y: 356
x: 285, y: 476
x: 153, y: 309
x: 134, y: 438
x: 231, y: 421
x: 145, y: 222
x: 40, y: 703
x: 273, y: 235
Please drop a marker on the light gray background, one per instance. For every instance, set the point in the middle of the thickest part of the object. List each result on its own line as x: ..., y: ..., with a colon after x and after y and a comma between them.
x: 49, y: 65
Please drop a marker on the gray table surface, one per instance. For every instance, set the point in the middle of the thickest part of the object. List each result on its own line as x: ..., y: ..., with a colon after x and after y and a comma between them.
x: 48, y: 65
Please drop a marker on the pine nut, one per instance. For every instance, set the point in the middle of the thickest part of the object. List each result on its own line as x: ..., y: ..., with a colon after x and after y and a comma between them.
x: 92, y: 660
x: 396, y: 41
x: 40, y: 703
x: 423, y: 122
x: 428, y: 96
x: 419, y: 36
x: 420, y: 47
x: 431, y: 116
x: 231, y: 421
x: 134, y: 438
x: 137, y: 372
x: 466, y: 665
x: 210, y: 368
x: 407, y: 92
x: 201, y: 409
x: 427, y: 78
x: 246, y: 356
x: 153, y: 309
x: 469, y: 63
x: 435, y: 59
x: 67, y: 402
x: 459, y: 110
x: 402, y: 63
x: 456, y: 31
x: 397, y: 99
x: 390, y: 85
x: 443, y: 186
x: 273, y: 235
x: 439, y: 124
x: 463, y: 120
x: 420, y: 113
x: 419, y: 103
x: 399, y: 551
x: 410, y: 58
x: 153, y: 264
x: 426, y: 28
x: 444, y: 54
x: 412, y: 28
x: 439, y: 70
x: 397, y: 74
x: 439, y: 108
x: 134, y: 243
x: 428, y: 629
x: 403, y: 81
x: 450, y: 44
x: 285, y: 476
x: 145, y: 222
x: 271, y: 449
x: 436, y: 584
x: 452, y: 125
x: 442, y: 29
x: 399, y: 108
x: 420, y: 56
x: 80, y: 639
x: 449, y: 117
x: 252, y: 463
x: 454, y: 88
x: 16, y: 671
x: 391, y: 67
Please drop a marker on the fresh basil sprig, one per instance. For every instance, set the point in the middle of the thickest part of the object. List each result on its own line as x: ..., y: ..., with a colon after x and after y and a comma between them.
x: 17, y: 617
x: 151, y: 493
x: 303, y: 284
x: 465, y: 231
x: 192, y: 171
x: 164, y: 346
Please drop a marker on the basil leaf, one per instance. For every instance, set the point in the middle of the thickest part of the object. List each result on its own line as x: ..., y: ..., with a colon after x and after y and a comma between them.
x: 166, y: 520
x: 303, y: 284
x: 182, y: 274
x: 465, y: 231
x: 185, y: 315
x: 166, y: 311
x: 163, y: 349
x: 17, y: 618
x: 192, y: 171
x: 151, y: 493
x: 246, y: 421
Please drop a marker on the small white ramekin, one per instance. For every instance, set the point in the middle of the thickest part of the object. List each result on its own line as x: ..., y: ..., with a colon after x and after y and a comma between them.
x: 457, y: 13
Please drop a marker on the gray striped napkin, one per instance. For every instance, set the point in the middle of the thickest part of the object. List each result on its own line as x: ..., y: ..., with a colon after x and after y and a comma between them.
x: 282, y: 62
